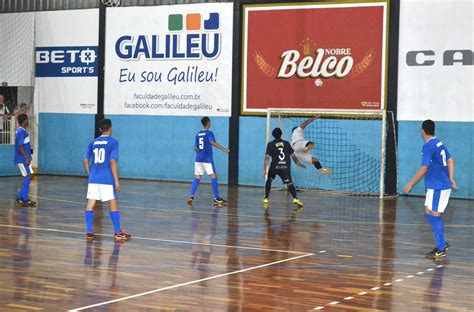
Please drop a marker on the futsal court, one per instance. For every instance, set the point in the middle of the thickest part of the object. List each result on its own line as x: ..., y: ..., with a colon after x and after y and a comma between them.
x: 236, y: 155
x: 235, y: 258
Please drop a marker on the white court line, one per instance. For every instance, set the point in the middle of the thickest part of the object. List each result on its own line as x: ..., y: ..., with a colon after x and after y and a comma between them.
x: 334, y: 303
x: 362, y: 293
x: 159, y: 240
x: 349, y: 298
x: 375, y: 288
x: 318, y: 308
x: 189, y: 283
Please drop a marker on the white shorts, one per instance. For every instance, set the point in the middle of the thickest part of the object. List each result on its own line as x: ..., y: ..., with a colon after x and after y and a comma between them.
x: 299, y: 146
x: 103, y: 192
x: 437, y: 200
x: 305, y: 157
x: 25, y: 170
x: 200, y: 168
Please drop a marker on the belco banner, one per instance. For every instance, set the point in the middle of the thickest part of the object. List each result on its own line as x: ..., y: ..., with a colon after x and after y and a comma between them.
x: 169, y: 60
x: 328, y: 56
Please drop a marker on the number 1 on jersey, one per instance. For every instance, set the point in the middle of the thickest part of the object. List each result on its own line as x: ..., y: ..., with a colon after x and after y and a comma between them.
x: 443, y: 155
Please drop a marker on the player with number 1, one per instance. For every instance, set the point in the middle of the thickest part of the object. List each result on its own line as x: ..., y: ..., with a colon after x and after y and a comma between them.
x: 100, y: 163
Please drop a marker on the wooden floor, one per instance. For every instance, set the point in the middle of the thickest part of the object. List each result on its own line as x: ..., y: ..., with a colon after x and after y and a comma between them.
x: 340, y: 253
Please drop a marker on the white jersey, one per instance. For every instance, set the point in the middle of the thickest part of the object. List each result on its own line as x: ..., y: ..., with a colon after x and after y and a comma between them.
x: 298, y: 135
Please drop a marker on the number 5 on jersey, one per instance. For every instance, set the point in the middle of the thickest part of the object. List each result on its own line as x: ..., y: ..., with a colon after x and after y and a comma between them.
x: 201, y: 143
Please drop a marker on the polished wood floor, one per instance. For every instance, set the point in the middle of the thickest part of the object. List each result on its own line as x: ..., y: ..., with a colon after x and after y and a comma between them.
x: 338, y: 254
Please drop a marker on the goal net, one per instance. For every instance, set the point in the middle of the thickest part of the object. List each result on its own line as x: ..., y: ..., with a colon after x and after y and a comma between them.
x: 350, y: 143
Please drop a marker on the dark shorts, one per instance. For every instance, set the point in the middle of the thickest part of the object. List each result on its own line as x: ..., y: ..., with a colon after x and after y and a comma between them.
x: 285, y: 175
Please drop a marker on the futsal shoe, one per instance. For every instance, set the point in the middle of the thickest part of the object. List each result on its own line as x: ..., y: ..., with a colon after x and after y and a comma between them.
x: 265, y: 201
x: 219, y: 201
x: 296, y: 201
x: 90, y: 236
x: 28, y: 203
x: 190, y: 200
x: 446, y: 247
x: 436, y: 253
x: 122, y: 236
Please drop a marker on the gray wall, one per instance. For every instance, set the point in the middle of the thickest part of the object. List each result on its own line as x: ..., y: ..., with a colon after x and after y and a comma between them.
x: 10, y: 6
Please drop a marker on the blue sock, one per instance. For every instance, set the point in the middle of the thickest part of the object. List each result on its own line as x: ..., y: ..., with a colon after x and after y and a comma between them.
x: 115, y: 216
x: 431, y: 219
x: 195, y: 186
x: 24, y: 190
x: 89, y: 221
x: 441, y: 242
x: 215, y: 188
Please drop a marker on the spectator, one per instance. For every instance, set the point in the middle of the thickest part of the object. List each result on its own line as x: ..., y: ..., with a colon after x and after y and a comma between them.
x: 22, y: 109
x: 4, y: 116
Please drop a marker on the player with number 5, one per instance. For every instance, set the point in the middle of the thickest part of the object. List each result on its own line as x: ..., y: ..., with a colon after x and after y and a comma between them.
x: 203, y: 144
x: 437, y: 166
x: 100, y: 163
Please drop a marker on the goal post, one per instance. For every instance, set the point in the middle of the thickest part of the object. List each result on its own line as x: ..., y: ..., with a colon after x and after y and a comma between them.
x: 350, y: 142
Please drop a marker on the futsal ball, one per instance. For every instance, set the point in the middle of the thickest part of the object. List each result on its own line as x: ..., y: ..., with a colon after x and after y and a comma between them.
x: 318, y: 83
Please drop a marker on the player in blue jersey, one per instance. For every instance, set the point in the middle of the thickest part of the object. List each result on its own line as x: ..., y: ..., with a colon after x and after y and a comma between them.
x: 100, y: 163
x: 22, y: 158
x: 203, y: 144
x: 437, y: 166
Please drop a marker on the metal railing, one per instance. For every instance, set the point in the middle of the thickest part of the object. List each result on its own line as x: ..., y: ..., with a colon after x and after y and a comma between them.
x: 7, y: 131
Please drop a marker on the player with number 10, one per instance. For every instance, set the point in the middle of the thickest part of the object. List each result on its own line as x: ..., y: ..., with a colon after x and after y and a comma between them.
x: 100, y: 163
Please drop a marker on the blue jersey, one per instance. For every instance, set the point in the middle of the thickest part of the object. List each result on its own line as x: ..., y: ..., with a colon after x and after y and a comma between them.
x: 435, y: 156
x: 100, y: 152
x: 203, y: 144
x: 22, y: 139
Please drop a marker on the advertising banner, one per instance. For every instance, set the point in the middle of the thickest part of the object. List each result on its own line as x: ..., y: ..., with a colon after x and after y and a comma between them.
x: 66, y: 61
x: 169, y: 60
x: 436, y: 60
x: 327, y: 56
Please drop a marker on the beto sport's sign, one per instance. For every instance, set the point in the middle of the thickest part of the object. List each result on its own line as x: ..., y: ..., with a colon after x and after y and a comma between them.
x: 169, y: 60
x: 66, y: 61
x: 327, y: 56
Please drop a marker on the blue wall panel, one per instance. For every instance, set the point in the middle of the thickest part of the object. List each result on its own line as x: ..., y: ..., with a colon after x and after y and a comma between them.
x: 458, y: 138
x: 7, y: 167
x: 63, y: 140
x: 161, y: 147
x: 151, y: 147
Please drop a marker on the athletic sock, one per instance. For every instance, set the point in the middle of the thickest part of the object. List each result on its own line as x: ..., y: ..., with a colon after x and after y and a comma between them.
x: 25, y: 189
x: 441, y: 242
x: 268, y: 187
x: 115, y: 216
x: 432, y: 221
x: 194, y: 186
x: 292, y: 189
x: 89, y: 221
x: 215, y: 188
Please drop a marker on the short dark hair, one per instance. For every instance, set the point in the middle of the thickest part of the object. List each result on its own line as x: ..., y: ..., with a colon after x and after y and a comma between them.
x: 105, y: 124
x: 205, y: 121
x: 428, y: 126
x: 277, y: 133
x: 21, y: 118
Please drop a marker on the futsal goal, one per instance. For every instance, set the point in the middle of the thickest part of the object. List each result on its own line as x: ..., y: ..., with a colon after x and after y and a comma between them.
x: 350, y: 142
